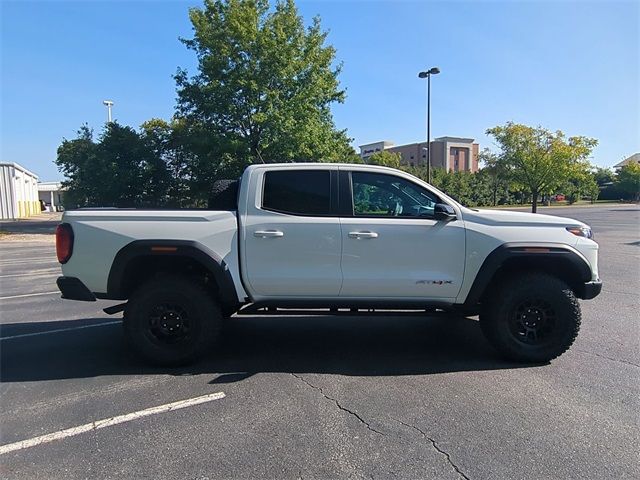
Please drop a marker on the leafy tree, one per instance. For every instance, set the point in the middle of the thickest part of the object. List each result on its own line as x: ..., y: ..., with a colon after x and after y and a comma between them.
x: 580, y: 183
x: 541, y: 160
x: 592, y: 190
x: 77, y: 160
x: 386, y: 159
x: 628, y: 180
x: 497, y: 174
x: 167, y: 142
x: 121, y: 169
x: 263, y: 90
x: 604, y: 176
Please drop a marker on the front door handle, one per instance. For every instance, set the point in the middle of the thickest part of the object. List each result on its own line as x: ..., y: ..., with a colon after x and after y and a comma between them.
x: 359, y: 235
x: 268, y: 233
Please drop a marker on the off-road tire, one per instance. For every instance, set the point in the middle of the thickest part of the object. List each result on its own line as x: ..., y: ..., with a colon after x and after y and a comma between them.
x: 528, y: 303
x: 192, y: 313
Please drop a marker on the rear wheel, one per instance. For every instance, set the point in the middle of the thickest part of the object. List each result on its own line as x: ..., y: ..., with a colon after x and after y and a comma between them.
x: 171, y: 321
x: 532, y: 318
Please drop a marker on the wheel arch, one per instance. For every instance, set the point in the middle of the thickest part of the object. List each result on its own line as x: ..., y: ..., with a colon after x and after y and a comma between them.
x: 143, y: 259
x: 559, y: 260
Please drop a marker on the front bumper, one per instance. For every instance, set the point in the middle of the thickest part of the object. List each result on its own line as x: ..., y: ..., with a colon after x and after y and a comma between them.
x: 590, y: 290
x: 73, y: 289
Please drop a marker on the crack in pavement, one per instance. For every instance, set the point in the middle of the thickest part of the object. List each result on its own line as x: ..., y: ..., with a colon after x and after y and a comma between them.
x: 607, y: 358
x: 438, y: 449
x: 344, y: 409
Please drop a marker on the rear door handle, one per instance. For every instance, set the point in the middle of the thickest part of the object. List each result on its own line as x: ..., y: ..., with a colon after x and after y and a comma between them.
x: 359, y: 235
x: 268, y: 233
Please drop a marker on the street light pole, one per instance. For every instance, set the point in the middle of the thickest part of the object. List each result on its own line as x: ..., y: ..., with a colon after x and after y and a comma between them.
x: 429, y: 128
x: 427, y: 74
x: 108, y: 104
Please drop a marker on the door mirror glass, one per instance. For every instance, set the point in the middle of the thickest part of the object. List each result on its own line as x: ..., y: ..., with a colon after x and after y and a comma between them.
x: 444, y: 212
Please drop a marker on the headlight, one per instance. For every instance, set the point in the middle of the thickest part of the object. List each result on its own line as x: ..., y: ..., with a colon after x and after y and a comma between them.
x: 581, y: 231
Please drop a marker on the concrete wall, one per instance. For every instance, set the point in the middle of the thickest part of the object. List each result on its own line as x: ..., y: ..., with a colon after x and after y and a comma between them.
x: 18, y: 192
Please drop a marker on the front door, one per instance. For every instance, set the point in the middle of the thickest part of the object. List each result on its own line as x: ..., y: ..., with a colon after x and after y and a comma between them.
x: 392, y: 245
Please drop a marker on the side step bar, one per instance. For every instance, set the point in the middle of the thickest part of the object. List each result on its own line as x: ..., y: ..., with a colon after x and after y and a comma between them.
x: 258, y: 310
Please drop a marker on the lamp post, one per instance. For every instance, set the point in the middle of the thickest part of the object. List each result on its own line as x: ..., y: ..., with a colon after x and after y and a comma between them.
x: 427, y: 74
x: 108, y: 104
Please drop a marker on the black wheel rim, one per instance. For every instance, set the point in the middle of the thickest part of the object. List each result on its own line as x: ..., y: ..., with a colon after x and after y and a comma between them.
x: 169, y: 324
x: 533, y: 322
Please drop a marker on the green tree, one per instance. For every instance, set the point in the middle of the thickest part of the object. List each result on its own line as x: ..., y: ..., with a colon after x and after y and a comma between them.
x: 580, y: 183
x: 77, y: 160
x: 263, y: 91
x: 604, y: 176
x: 385, y: 158
x: 628, y: 180
x: 166, y: 140
x: 497, y: 174
x: 121, y: 169
x: 539, y: 159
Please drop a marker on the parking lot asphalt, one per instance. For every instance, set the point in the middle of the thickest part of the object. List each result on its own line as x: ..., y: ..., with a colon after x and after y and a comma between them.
x: 319, y: 396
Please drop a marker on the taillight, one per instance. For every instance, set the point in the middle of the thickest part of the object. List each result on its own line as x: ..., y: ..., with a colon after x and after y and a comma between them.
x: 64, y: 242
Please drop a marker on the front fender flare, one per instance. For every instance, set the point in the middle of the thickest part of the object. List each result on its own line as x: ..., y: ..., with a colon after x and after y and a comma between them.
x: 534, y: 250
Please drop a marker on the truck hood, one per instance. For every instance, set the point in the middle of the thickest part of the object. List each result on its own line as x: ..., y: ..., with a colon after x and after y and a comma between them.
x: 506, y: 217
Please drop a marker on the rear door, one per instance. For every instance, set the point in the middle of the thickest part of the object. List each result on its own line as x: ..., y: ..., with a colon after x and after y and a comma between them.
x: 292, y: 239
x: 392, y: 245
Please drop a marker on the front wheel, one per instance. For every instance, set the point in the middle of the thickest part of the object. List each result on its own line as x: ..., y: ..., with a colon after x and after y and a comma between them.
x: 171, y: 321
x: 532, y: 318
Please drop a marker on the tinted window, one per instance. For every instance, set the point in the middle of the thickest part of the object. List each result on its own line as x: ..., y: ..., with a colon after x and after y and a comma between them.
x: 383, y: 195
x: 300, y: 192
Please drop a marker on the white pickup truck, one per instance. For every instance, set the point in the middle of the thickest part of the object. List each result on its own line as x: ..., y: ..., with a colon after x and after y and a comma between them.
x: 330, y: 237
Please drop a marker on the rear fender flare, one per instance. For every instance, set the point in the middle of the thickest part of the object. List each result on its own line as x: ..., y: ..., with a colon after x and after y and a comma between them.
x: 168, y: 248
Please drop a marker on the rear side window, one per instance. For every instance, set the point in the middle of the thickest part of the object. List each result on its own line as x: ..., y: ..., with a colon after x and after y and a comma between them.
x: 298, y: 192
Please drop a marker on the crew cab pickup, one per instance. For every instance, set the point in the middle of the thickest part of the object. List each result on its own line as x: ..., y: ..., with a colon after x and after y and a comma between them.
x: 334, y: 237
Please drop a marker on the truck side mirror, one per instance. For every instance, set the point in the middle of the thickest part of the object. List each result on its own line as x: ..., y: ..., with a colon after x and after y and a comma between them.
x: 443, y: 212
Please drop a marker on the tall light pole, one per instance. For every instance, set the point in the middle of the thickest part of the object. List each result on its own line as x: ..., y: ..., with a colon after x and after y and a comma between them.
x: 108, y: 104
x: 427, y: 74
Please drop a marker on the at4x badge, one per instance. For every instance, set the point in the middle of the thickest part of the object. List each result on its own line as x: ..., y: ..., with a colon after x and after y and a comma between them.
x: 434, y: 282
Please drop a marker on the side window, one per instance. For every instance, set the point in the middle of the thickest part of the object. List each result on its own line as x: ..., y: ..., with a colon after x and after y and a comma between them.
x: 380, y: 195
x: 298, y: 192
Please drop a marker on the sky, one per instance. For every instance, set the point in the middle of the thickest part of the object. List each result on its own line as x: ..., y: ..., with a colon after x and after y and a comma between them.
x: 570, y: 66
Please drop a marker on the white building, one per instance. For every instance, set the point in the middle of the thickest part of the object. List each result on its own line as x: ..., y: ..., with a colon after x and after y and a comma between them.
x: 51, y: 193
x: 18, y: 192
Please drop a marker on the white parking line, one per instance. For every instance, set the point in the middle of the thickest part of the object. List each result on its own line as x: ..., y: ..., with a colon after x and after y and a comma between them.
x: 35, y: 273
x: 26, y: 260
x: 28, y: 295
x: 58, y: 330
x: 108, y: 422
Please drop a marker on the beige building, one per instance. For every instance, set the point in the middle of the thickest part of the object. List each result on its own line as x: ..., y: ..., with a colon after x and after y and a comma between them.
x: 451, y: 153
x: 635, y: 158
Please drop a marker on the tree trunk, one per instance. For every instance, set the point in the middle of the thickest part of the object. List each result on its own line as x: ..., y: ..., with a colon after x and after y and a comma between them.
x: 534, y: 202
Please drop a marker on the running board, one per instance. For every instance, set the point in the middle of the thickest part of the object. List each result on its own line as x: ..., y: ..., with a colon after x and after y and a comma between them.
x: 114, y: 309
x: 364, y: 312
